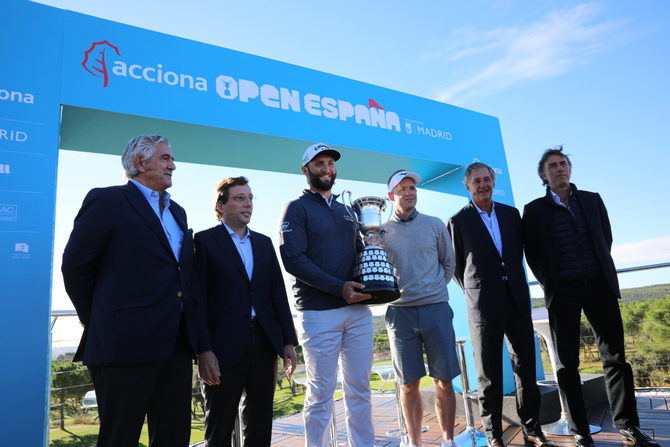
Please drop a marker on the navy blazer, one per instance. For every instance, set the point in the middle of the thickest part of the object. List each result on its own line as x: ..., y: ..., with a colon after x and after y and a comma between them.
x: 226, y: 294
x: 124, y: 281
x: 480, y: 269
x: 542, y: 246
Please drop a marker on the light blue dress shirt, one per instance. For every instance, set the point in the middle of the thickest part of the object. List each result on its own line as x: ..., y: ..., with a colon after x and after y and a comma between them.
x: 491, y: 223
x: 244, y: 248
x: 174, y: 234
x: 558, y: 201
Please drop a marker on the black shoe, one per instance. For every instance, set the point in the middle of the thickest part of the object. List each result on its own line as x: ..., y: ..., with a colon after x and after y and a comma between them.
x: 634, y: 435
x: 495, y: 442
x: 539, y: 440
x: 583, y: 441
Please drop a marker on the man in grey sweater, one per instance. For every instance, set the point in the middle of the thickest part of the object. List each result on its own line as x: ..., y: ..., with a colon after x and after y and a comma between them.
x: 420, y: 320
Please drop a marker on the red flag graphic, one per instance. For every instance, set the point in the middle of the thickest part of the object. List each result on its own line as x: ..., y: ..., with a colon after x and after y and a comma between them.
x: 97, y: 65
x: 373, y: 103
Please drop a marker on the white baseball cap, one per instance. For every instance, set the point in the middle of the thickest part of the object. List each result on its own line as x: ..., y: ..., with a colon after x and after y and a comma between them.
x: 317, y: 149
x: 398, y: 176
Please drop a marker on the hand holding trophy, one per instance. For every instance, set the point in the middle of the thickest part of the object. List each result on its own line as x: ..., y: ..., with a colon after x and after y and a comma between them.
x: 372, y: 268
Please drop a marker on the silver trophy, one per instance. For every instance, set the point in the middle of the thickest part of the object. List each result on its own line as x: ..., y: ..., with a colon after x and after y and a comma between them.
x: 372, y: 268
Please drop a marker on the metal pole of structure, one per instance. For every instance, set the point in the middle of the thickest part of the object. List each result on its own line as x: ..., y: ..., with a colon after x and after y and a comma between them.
x: 471, y: 436
x: 562, y: 426
x: 401, y: 431
x: 237, y: 431
x: 333, y: 427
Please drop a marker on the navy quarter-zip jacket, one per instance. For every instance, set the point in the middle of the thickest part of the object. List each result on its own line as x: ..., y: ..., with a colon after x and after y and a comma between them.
x: 318, y: 246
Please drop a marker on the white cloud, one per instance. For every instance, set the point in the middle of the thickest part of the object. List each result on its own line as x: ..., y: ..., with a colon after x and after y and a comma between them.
x: 546, y: 48
x: 642, y: 252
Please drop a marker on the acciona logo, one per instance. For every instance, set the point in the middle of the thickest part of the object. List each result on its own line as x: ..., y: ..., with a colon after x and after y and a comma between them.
x: 95, y: 60
x: 14, y: 96
x: 100, y: 61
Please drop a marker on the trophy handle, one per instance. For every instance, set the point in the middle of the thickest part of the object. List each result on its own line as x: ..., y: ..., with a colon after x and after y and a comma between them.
x: 349, y: 206
x: 390, y: 207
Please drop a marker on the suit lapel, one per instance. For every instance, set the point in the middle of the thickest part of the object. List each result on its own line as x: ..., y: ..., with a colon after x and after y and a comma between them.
x: 186, y: 244
x: 178, y: 216
x: 480, y: 227
x: 547, y: 218
x: 503, y: 225
x: 584, y: 202
x: 255, y: 249
x: 225, y: 242
x: 140, y: 203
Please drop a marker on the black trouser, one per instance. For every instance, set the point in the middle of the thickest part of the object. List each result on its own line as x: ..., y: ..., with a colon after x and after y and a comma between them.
x: 160, y: 391
x: 487, y: 340
x: 256, y: 375
x: 601, y: 308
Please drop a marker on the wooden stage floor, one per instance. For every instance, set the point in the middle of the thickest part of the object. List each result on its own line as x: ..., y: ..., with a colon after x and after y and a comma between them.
x: 653, y: 408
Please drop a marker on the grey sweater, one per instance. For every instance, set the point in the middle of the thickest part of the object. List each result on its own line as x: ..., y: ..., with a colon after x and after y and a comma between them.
x: 423, y: 257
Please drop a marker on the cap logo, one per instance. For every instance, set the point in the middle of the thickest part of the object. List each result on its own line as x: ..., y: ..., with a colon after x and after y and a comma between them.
x: 401, y: 175
x: 315, y: 150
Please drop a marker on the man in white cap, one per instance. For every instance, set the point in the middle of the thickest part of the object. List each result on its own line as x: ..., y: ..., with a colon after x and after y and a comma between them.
x: 420, y: 249
x: 318, y: 244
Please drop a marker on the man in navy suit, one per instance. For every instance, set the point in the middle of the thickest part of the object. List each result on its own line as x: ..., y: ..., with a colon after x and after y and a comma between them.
x: 489, y: 268
x: 245, y: 319
x: 127, y: 268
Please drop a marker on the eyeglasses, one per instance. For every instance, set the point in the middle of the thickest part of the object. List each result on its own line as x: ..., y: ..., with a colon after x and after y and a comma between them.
x: 240, y: 198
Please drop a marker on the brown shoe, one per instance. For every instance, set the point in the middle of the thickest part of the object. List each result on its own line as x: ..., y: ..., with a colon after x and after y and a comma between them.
x: 539, y: 440
x: 495, y: 442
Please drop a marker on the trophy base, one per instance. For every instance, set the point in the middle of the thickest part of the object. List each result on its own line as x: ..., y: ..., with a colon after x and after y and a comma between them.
x: 375, y: 272
x: 380, y: 294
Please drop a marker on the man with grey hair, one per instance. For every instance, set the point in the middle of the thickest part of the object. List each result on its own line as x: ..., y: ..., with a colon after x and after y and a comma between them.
x: 127, y: 268
x: 488, y: 250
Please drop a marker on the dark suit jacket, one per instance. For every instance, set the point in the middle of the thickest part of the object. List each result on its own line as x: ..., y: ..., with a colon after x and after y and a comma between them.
x: 542, y: 247
x: 124, y: 280
x: 479, y: 267
x: 226, y: 295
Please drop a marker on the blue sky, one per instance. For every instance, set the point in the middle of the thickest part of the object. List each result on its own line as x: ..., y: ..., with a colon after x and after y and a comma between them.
x: 589, y: 75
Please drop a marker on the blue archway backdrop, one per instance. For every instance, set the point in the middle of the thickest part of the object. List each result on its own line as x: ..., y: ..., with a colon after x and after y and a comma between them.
x: 97, y: 78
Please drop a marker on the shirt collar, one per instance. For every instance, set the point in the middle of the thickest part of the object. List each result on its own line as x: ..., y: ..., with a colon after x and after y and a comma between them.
x: 409, y: 219
x: 233, y: 234
x: 150, y: 194
x: 333, y: 197
x: 493, y: 209
x: 557, y: 199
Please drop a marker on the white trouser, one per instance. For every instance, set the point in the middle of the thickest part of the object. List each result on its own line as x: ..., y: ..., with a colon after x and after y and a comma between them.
x: 326, y: 336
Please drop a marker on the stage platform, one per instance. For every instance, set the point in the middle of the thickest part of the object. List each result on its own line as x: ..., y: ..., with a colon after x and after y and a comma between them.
x: 593, y: 389
x: 653, y: 407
